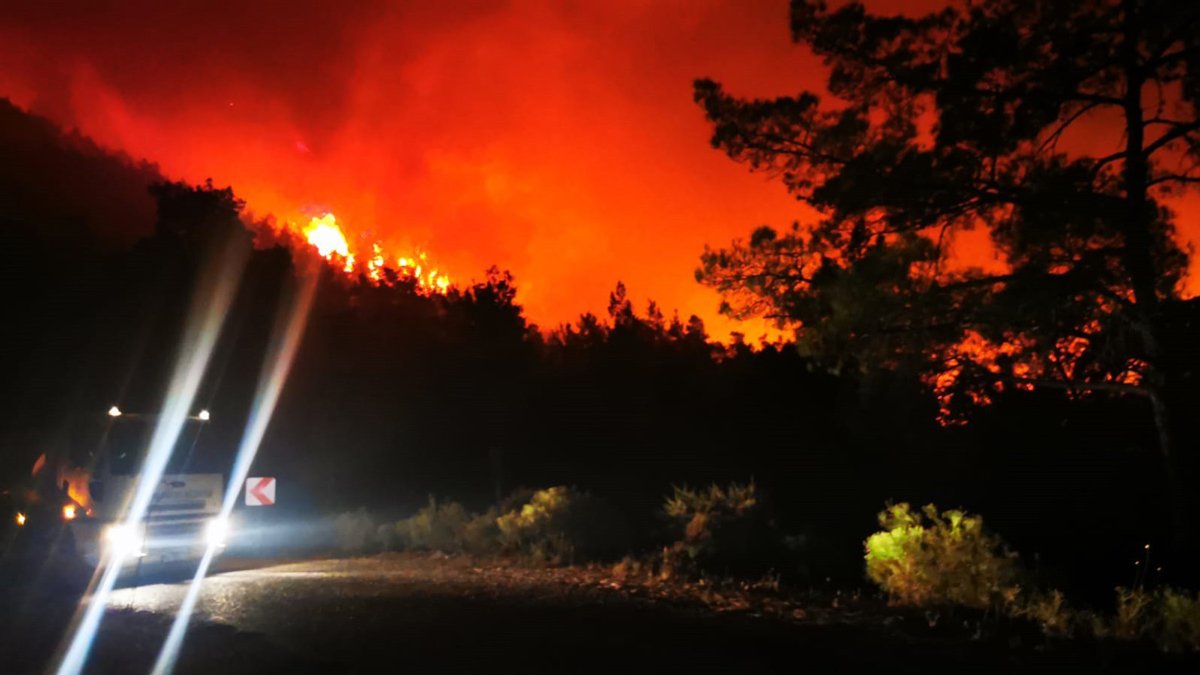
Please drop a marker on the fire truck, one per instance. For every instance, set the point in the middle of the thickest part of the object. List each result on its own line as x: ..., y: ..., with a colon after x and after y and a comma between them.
x: 78, y: 503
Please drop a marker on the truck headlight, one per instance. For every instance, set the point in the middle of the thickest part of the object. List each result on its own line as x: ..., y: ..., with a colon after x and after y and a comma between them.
x: 216, y: 533
x: 125, y: 541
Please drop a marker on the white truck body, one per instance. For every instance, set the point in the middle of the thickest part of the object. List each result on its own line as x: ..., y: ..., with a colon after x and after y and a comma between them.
x: 175, y: 527
x: 181, y: 519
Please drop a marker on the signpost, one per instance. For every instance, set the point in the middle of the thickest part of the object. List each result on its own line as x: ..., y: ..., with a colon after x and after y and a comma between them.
x: 260, y: 491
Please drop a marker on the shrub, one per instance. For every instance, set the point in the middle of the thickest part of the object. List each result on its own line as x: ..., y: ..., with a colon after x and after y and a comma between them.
x: 560, y: 524
x: 436, y: 527
x: 481, y: 534
x: 1050, y: 611
x: 354, y: 531
x: 1179, y: 622
x: 720, y: 529
x: 939, y: 558
x: 1133, y: 613
x: 1169, y: 617
x: 628, y: 568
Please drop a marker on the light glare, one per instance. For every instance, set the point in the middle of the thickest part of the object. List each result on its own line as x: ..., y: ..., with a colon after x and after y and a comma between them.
x: 209, y: 307
x: 289, y: 328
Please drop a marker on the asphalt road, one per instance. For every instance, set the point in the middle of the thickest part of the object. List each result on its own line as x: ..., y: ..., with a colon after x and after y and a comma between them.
x: 391, y: 615
x: 419, y: 614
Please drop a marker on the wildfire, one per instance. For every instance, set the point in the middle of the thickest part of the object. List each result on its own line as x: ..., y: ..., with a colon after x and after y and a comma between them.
x: 324, y: 234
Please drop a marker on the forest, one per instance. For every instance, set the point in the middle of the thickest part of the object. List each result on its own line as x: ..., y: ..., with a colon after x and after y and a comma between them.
x: 399, y: 394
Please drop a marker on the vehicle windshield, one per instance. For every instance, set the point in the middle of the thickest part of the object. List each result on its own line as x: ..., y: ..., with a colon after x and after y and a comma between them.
x: 128, y: 439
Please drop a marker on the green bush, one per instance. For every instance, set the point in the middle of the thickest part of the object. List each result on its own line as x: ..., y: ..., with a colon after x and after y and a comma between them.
x: 939, y: 558
x: 562, y: 525
x: 720, y: 529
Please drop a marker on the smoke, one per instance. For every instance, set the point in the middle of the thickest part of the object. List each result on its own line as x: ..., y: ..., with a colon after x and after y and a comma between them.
x: 556, y: 139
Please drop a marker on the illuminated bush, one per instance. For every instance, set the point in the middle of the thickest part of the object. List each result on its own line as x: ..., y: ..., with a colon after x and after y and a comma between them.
x: 720, y: 529
x: 562, y: 525
x: 939, y: 558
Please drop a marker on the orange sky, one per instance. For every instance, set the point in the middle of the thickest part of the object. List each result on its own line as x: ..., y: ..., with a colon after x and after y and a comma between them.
x: 556, y: 139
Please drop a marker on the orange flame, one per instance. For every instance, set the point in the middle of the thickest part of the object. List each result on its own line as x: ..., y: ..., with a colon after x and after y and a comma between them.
x: 324, y: 234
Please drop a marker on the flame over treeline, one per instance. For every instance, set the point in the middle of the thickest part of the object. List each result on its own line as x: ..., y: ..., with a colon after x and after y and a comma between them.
x: 323, y: 233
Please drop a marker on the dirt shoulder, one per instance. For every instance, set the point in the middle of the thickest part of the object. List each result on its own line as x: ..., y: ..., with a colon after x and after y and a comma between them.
x: 458, y: 614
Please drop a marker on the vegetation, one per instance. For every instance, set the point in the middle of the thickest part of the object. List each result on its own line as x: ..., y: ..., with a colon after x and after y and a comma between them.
x: 1076, y: 350
x: 720, y: 530
x: 436, y: 527
x: 1179, y: 622
x: 395, y: 395
x: 938, y: 558
x: 557, y: 525
x: 927, y: 557
x: 951, y: 122
x: 355, y: 531
x: 561, y: 524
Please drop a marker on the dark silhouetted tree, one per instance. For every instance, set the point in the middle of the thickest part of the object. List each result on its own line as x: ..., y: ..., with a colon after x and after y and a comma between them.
x: 960, y: 119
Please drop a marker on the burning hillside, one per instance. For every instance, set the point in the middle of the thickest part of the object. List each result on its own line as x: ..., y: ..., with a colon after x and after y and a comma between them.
x: 323, y: 233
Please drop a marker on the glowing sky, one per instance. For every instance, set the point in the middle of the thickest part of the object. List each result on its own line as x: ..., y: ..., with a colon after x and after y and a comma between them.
x: 556, y: 139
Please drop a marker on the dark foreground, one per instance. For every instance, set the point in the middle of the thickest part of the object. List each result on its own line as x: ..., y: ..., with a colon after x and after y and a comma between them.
x: 423, y: 614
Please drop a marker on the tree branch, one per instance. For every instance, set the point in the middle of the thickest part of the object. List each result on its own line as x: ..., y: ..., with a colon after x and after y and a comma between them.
x: 1176, y: 132
x: 1113, y: 387
x: 1052, y: 139
x: 1173, y: 178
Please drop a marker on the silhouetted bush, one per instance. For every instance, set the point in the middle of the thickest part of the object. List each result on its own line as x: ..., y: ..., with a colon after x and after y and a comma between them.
x: 927, y: 557
x: 722, y: 530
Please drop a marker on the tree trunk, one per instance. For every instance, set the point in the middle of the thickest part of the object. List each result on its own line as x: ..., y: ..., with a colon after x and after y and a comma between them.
x: 1177, y: 436
x: 1168, y: 393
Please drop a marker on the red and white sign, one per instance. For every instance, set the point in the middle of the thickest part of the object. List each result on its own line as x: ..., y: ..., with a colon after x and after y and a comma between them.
x: 260, y: 491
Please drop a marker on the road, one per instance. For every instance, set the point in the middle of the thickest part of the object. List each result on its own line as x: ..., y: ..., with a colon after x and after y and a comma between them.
x: 371, y: 615
x: 423, y: 614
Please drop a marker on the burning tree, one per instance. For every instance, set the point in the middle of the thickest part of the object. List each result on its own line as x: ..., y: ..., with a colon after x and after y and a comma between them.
x: 969, y: 118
